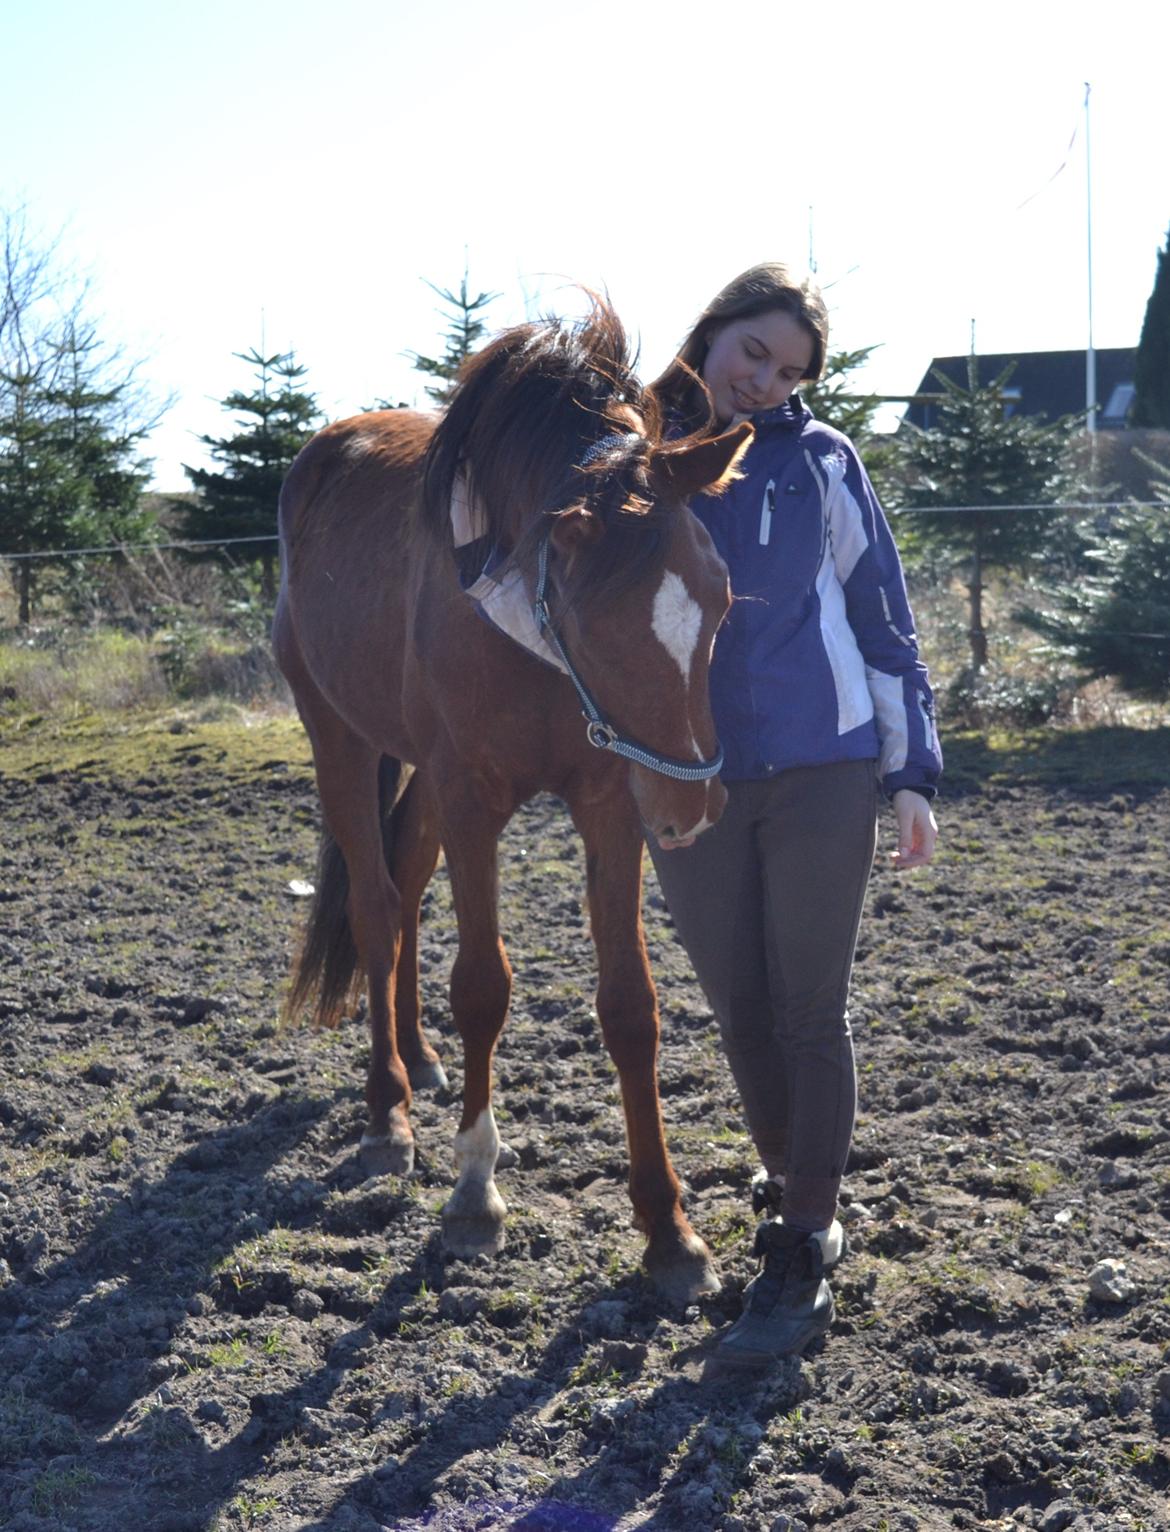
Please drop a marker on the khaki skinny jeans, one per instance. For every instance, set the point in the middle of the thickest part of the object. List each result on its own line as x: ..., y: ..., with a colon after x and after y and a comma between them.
x: 767, y: 905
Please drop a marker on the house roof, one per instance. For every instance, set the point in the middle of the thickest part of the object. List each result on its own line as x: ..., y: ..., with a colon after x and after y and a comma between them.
x: 1050, y: 384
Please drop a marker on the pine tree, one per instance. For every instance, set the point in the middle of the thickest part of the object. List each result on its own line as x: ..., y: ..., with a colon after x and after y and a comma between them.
x: 1116, y: 621
x: 275, y: 420
x: 465, y: 330
x: 96, y: 436
x: 1151, y: 405
x: 36, y: 485
x: 978, y: 457
x: 71, y: 421
x: 96, y: 430
x: 833, y: 400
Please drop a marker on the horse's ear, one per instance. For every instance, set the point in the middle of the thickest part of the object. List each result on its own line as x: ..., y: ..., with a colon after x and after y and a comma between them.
x: 708, y: 466
x: 573, y: 529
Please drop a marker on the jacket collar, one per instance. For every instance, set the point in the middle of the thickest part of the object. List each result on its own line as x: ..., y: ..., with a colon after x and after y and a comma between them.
x: 792, y: 415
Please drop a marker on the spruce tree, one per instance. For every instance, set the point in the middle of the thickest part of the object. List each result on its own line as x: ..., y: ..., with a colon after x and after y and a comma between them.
x: 1151, y: 405
x: 239, y: 501
x: 37, y: 498
x: 978, y: 457
x: 1116, y: 621
x: 96, y: 434
x: 464, y: 332
x: 832, y: 398
x: 71, y: 421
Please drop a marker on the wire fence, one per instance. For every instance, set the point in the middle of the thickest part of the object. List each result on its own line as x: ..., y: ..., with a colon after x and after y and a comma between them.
x: 176, y: 594
x: 128, y: 548
x: 1094, y: 506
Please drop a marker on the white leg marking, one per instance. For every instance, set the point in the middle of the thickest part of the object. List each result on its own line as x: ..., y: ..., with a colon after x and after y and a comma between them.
x: 475, y: 1198
x: 676, y: 621
x: 476, y: 1149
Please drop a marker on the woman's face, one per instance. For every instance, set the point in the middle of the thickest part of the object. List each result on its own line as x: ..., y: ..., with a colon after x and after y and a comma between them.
x: 754, y: 364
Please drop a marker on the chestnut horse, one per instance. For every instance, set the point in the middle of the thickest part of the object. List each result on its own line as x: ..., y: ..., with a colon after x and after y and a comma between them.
x: 394, y: 667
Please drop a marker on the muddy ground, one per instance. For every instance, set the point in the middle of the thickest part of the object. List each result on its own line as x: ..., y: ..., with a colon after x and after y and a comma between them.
x: 209, y: 1318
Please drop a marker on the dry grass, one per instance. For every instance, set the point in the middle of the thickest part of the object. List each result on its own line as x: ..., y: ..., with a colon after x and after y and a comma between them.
x: 100, y: 672
x: 209, y: 639
x: 1025, y: 684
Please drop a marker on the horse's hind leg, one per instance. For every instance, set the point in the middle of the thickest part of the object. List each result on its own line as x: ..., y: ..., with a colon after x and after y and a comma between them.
x: 348, y: 785
x: 413, y: 859
x: 676, y: 1258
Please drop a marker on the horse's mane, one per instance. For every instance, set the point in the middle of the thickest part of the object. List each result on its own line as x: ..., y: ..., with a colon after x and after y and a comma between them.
x: 526, y: 409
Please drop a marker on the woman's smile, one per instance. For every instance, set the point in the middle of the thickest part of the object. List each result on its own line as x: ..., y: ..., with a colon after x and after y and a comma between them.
x: 755, y: 363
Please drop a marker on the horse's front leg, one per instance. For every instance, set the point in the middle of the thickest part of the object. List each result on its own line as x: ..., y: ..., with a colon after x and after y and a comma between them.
x: 676, y: 1259
x: 481, y: 987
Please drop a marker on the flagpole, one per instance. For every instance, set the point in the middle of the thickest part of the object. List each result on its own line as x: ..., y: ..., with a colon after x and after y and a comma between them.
x: 1090, y: 354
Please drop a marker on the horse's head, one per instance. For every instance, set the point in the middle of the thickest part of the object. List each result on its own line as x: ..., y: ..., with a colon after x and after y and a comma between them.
x: 638, y: 596
x: 564, y: 450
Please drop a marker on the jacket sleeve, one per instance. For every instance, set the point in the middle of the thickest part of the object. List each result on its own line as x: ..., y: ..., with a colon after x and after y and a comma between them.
x: 870, y: 573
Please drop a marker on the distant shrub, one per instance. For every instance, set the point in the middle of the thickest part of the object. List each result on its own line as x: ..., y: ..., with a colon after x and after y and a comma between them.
x: 1011, y: 698
x: 108, y: 670
x: 100, y: 671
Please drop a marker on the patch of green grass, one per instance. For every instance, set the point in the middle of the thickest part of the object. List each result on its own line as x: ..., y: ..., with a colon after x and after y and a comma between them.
x: 248, y: 1510
x: 1033, y: 1179
x: 592, y: 1370
x: 1084, y: 758
x: 1140, y: 1454
x: 230, y: 1354
x: 277, y: 1241
x: 729, y: 1135
x: 230, y: 744
x: 28, y: 1427
x: 57, y: 1490
x: 727, y: 1229
x: 165, y: 1428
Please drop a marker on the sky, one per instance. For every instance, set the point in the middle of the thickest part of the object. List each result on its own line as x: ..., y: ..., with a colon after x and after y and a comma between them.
x: 248, y: 171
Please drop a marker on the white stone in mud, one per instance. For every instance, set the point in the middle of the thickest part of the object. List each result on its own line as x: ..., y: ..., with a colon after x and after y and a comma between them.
x: 1109, y: 1283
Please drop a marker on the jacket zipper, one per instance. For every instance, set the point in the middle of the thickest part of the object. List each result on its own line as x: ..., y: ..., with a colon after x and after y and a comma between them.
x: 766, y: 511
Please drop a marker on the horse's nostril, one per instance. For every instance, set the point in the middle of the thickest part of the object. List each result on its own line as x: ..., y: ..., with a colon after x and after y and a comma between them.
x: 668, y: 832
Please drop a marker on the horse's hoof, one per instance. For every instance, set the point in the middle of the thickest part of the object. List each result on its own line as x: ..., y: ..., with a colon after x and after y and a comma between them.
x: 684, y: 1272
x: 427, y: 1074
x: 469, y: 1234
x: 473, y: 1219
x: 385, y: 1155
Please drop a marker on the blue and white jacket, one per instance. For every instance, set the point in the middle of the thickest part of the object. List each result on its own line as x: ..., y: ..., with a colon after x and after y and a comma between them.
x: 817, y: 661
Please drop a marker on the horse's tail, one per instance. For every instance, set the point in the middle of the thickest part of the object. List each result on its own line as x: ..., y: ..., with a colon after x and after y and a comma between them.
x: 328, y: 973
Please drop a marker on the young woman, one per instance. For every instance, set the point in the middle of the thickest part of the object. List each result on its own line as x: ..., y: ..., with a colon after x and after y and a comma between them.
x: 818, y: 696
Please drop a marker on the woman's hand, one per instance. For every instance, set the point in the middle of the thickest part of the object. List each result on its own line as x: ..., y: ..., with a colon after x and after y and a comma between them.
x: 917, y: 830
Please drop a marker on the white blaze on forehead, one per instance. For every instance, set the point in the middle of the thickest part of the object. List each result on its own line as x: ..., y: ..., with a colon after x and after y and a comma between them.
x: 677, y: 619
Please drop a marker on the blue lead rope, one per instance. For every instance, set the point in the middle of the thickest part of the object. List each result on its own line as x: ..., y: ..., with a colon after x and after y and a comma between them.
x: 598, y: 732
